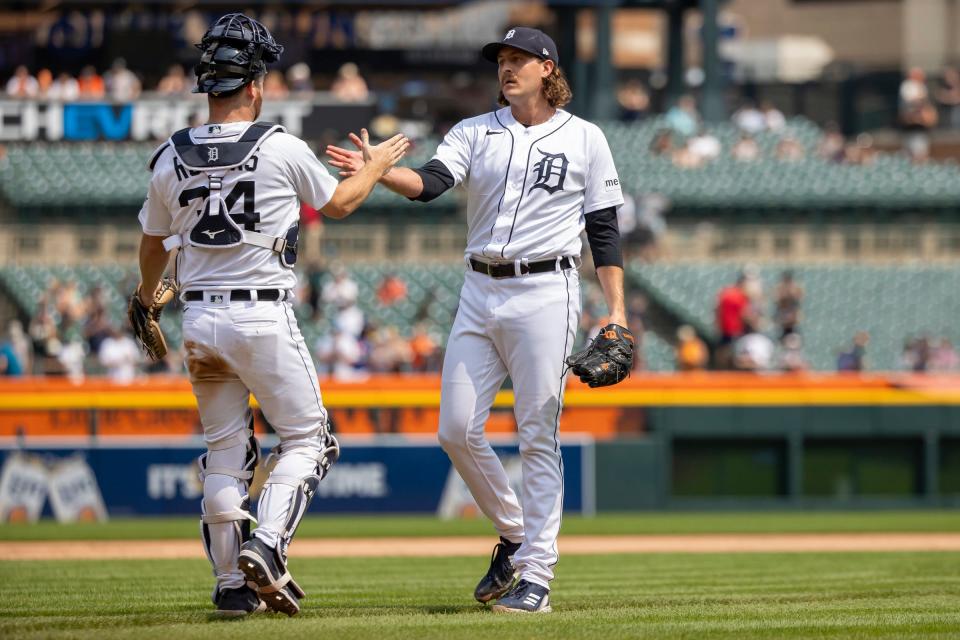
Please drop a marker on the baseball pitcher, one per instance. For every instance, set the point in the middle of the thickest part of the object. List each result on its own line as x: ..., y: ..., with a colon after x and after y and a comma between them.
x: 227, y: 195
x: 536, y: 176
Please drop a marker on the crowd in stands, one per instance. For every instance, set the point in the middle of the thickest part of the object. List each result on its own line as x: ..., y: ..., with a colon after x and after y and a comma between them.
x: 120, y: 84
x: 745, y: 329
x: 74, y: 335
x: 689, y: 144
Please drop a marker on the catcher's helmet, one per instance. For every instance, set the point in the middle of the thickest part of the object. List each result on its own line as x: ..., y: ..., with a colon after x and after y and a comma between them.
x: 235, y: 51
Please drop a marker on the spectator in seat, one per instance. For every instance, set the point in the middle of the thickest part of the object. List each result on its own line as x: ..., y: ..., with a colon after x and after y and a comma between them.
x: 749, y: 119
x: 683, y: 117
x: 299, y: 78
x: 917, y: 114
x: 342, y: 290
x: 391, y: 290
x: 122, y: 84
x: 753, y: 351
x: 706, y: 145
x: 789, y: 149
x: 787, y: 298
x: 120, y: 356
x: 44, y: 82
x: 91, y: 84
x: 944, y: 357
x: 745, y: 149
x: 174, y: 83
x: 275, y: 87
x: 948, y: 96
x: 790, y: 357
x: 425, y: 349
x: 349, y: 85
x: 64, y: 88
x: 855, y: 358
x: 773, y: 117
x: 831, y: 145
x: 732, y: 313
x: 634, y: 101
x: 662, y: 144
x: 22, y: 84
x: 691, y: 352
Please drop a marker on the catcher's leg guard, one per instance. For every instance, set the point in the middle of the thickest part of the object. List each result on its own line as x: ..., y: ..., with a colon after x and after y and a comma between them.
x: 225, y: 471
x: 288, y: 490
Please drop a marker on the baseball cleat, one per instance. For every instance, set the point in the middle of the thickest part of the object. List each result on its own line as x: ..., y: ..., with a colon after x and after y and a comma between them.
x: 525, y: 597
x: 266, y: 572
x: 239, y: 602
x: 501, y: 573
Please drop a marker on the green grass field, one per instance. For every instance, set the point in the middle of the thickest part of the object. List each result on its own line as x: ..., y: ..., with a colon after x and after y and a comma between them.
x: 827, y: 595
x: 318, y: 526
x: 865, y: 595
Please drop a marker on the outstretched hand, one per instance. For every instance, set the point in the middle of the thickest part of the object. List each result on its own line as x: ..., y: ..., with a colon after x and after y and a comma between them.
x: 385, y: 155
x: 347, y: 160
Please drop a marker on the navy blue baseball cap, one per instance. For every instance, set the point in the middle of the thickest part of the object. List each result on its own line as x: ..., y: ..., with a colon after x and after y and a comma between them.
x: 526, y: 39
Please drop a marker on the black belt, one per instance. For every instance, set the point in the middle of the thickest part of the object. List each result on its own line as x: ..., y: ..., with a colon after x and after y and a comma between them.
x: 507, y: 269
x: 269, y: 295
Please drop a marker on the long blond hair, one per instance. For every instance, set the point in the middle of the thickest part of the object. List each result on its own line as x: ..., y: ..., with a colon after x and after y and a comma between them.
x: 555, y: 89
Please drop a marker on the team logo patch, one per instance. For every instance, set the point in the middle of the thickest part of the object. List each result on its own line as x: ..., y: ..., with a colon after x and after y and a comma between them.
x: 510, y: 34
x: 213, y: 154
x: 551, y: 171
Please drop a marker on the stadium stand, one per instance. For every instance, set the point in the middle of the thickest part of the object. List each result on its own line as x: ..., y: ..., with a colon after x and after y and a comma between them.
x: 840, y: 300
x: 891, y: 303
x: 113, y: 174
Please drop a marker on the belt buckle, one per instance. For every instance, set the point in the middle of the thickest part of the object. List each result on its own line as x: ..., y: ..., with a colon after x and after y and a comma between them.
x: 491, y: 265
x: 216, y: 296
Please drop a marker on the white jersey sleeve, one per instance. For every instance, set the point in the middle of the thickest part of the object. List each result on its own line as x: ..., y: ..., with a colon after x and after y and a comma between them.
x: 455, y: 152
x: 310, y: 178
x: 155, y: 216
x: 602, y: 187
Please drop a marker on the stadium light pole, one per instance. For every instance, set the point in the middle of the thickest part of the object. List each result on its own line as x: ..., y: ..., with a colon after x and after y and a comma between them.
x: 712, y: 106
x: 604, y: 82
x: 675, y: 82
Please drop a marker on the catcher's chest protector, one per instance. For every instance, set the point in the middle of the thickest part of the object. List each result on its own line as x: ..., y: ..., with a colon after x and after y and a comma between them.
x: 215, y: 229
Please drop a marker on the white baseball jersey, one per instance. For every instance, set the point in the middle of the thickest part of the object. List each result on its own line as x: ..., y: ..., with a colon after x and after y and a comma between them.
x: 529, y: 187
x: 263, y: 195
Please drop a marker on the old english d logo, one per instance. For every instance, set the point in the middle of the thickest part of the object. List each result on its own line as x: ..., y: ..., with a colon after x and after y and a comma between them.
x: 550, y: 172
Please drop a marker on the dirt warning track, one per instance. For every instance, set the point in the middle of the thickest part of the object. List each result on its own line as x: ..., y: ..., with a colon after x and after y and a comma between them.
x: 468, y: 546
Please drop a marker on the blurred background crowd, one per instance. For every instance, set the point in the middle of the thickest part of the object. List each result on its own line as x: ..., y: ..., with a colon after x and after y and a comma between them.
x: 791, y: 200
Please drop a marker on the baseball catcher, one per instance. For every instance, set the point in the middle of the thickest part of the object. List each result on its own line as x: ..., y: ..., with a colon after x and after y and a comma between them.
x: 607, y: 359
x: 145, y: 319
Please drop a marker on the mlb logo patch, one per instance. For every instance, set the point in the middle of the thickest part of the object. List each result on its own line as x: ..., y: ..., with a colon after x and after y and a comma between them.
x: 216, y: 299
x: 214, y: 128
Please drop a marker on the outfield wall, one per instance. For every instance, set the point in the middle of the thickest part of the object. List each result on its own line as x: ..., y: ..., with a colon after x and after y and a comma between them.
x: 662, y: 442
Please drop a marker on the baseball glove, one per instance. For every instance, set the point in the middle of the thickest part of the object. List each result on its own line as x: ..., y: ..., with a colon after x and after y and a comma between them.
x: 607, y: 359
x: 146, y: 320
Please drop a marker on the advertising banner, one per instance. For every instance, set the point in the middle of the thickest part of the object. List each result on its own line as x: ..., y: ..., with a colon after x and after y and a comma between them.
x: 156, y: 119
x: 386, y: 475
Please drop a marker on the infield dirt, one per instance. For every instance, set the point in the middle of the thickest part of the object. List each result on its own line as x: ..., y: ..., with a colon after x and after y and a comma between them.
x: 466, y: 546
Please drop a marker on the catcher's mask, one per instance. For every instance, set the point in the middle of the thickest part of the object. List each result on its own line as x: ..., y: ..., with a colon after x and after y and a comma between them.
x: 236, y: 50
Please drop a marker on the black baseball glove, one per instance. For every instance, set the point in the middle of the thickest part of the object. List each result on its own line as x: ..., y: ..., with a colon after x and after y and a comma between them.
x: 145, y: 320
x: 607, y: 359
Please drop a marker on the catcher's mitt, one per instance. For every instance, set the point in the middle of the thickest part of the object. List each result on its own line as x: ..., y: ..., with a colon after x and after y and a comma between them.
x: 607, y: 359
x: 146, y: 320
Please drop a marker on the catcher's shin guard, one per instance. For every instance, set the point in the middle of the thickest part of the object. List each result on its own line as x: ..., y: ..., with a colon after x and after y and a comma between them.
x: 225, y: 509
x: 289, y: 489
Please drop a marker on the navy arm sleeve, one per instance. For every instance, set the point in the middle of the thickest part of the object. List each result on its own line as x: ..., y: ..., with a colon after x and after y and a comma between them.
x: 603, y: 234
x: 436, y: 179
